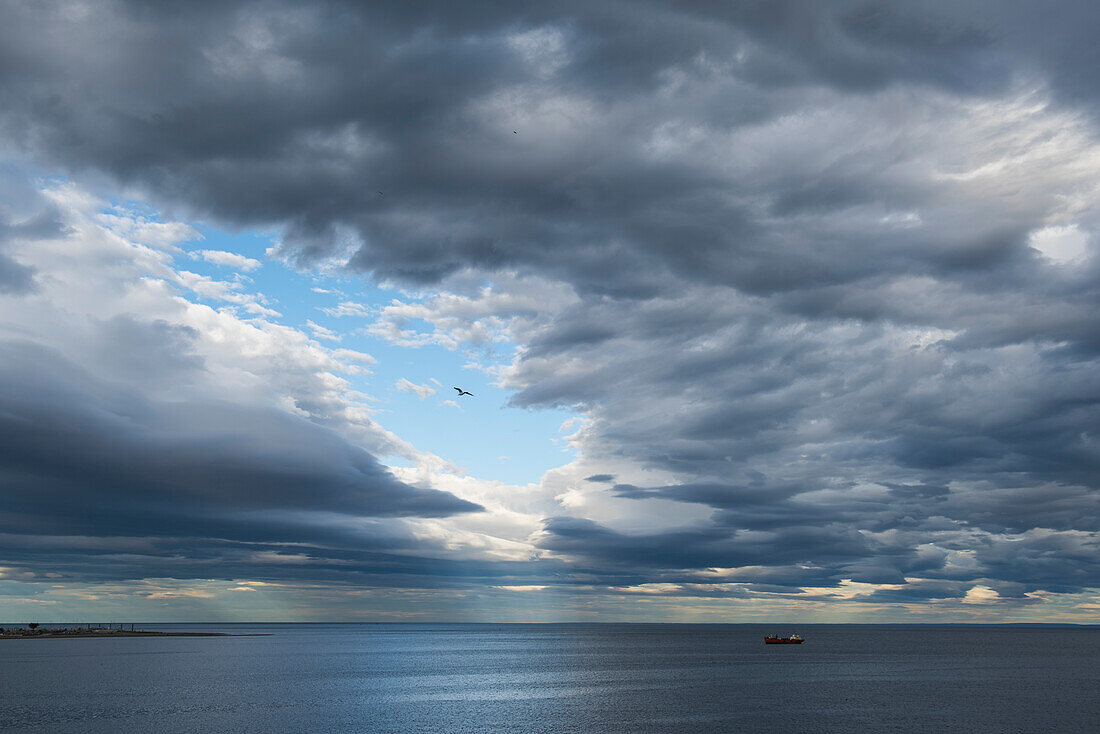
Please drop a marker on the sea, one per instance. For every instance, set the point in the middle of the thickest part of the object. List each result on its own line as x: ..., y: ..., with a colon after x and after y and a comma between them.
x: 557, y: 678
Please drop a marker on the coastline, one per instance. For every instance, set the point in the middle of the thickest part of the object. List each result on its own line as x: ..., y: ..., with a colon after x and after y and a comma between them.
x: 121, y: 633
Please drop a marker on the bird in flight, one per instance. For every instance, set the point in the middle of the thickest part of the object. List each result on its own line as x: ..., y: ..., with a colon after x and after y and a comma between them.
x: 462, y: 392
x: 514, y: 132
x: 380, y: 193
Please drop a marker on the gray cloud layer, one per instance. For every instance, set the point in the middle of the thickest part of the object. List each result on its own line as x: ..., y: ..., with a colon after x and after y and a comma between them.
x: 803, y: 238
x: 87, y: 458
x: 271, y: 113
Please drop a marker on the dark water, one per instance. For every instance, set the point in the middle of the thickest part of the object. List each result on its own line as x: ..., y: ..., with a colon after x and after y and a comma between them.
x: 557, y: 678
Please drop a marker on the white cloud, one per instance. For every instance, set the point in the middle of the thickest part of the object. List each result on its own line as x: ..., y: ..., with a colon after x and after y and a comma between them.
x: 479, y: 317
x: 1061, y: 244
x: 227, y: 259
x: 353, y: 356
x: 347, y: 308
x: 138, y: 228
x: 320, y: 332
x: 981, y: 595
x: 421, y: 391
x: 222, y: 290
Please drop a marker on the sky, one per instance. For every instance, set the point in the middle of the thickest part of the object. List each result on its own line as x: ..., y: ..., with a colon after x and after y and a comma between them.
x: 771, y: 311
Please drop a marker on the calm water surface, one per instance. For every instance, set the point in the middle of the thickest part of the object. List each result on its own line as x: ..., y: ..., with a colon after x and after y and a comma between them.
x: 557, y: 678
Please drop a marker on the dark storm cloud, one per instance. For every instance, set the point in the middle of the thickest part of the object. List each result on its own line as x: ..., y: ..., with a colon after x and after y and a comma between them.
x: 764, y: 382
x: 87, y: 458
x: 358, y: 561
x: 702, y: 548
x: 797, y: 293
x: 270, y: 113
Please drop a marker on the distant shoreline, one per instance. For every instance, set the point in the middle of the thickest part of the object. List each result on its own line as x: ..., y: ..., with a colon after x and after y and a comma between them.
x: 119, y: 633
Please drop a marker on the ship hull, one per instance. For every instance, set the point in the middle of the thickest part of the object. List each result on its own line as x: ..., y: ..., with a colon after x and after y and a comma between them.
x: 781, y: 641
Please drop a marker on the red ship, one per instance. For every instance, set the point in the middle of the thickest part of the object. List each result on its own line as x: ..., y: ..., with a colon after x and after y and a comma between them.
x: 777, y: 640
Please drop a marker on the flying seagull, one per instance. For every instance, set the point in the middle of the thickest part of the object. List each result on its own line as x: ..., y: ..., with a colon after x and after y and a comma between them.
x: 514, y: 132
x: 462, y: 392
